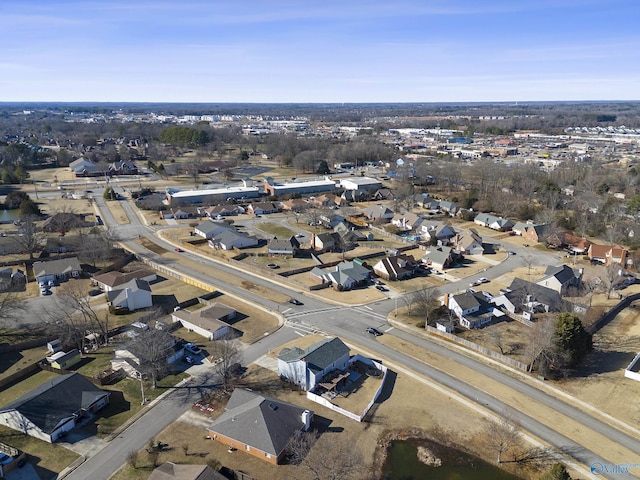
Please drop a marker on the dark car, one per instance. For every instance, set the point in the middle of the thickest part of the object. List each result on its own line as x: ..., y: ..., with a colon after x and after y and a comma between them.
x: 295, y: 301
x: 373, y: 331
x: 179, y: 250
x: 381, y: 288
x: 193, y: 349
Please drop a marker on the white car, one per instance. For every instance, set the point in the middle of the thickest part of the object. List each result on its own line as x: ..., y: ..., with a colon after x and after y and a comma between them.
x: 483, y: 280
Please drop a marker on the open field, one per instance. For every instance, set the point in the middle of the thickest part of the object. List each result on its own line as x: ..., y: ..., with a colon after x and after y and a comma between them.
x: 118, y: 212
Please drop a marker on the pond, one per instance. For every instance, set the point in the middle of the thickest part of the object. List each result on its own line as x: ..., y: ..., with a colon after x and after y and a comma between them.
x: 403, y: 464
x: 8, y: 216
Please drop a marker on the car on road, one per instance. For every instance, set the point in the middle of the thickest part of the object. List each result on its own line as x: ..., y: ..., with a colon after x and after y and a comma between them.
x: 193, y: 349
x: 475, y: 284
x: 483, y: 280
x: 374, y: 331
x: 299, y: 235
x: 295, y: 301
x: 45, y: 291
x: 179, y: 250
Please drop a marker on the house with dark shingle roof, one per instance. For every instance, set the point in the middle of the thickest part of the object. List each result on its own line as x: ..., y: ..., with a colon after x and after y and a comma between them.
x: 55, y: 407
x: 258, y: 425
x: 307, y: 367
x: 472, y: 309
x: 286, y: 247
x: 211, y: 322
x: 54, y: 270
x: 560, y: 278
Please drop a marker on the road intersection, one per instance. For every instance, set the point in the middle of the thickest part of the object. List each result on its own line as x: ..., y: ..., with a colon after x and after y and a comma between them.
x: 349, y: 323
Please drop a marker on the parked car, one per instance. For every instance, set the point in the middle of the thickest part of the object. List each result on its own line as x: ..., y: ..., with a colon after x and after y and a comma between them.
x: 374, y: 331
x: 193, y: 349
x: 381, y: 288
x: 511, y: 252
x: 188, y: 359
x: 295, y: 301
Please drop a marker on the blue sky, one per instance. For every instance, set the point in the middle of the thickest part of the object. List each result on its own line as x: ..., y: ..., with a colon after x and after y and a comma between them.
x: 319, y: 51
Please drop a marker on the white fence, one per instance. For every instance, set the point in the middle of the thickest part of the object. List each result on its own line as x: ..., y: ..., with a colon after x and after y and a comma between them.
x: 632, y: 371
x: 354, y: 416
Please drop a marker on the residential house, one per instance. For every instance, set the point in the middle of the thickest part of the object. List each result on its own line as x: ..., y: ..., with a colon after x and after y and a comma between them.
x: 57, y: 270
x: 469, y: 242
x: 221, y: 211
x: 331, y: 220
x: 183, y: 213
x: 543, y: 234
x: 407, y: 221
x: 54, y: 346
x: 607, y: 254
x: 326, y: 200
x: 132, y: 295
x: 258, y: 425
x: 176, y: 471
x: 64, y: 360
x: 439, y: 258
x: 123, y: 167
x: 10, y: 279
x: 229, y: 238
x: 283, y: 247
x: 325, y: 242
x: 494, y: 222
x: 519, y: 228
x: 576, y: 245
x: 397, y: 267
x: 83, y: 167
x: 450, y: 208
x: 384, y: 194
x: 263, y: 208
x: 209, y: 229
x: 378, y: 213
x: 561, y: 278
x: 349, y: 235
x: 345, y: 276
x: 307, y: 367
x: 132, y: 357
x: 438, y: 231
x: 528, y: 298
x: 55, y: 407
x: 472, y: 309
x: 111, y: 280
x: 211, y: 322
x: 294, y: 205
x: 63, y: 222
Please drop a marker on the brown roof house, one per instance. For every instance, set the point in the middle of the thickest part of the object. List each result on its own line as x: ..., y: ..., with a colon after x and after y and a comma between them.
x: 607, y: 254
x: 258, y: 425
x: 212, y: 322
x: 396, y: 267
x: 112, y: 280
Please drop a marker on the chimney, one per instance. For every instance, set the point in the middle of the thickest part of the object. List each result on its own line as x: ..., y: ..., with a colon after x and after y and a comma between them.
x: 307, y: 415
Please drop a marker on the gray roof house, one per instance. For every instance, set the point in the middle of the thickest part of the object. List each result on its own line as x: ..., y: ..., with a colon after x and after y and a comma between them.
x: 439, y: 258
x: 176, y: 471
x: 529, y: 298
x: 211, y: 322
x: 378, y: 213
x: 54, y: 270
x: 133, y: 295
x: 345, y: 276
x: 472, y: 309
x: 51, y: 409
x: 287, y: 247
x: 560, y: 278
x: 307, y: 367
x: 230, y: 238
x: 258, y: 425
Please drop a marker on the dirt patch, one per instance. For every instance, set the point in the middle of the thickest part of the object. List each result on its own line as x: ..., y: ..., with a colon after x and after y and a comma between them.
x: 118, y: 212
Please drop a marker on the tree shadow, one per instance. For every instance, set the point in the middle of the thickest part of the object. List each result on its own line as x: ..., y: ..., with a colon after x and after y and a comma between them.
x: 600, y: 361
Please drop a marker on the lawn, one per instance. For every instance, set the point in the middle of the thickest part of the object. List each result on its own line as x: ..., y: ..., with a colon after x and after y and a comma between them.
x: 12, y: 362
x: 275, y: 229
x: 47, y: 458
x: 14, y: 392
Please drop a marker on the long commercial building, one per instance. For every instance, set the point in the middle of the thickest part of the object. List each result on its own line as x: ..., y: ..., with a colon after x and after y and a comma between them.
x: 177, y: 197
x: 303, y: 187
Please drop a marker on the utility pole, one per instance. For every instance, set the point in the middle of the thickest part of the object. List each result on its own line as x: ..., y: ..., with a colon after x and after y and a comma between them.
x: 142, y: 390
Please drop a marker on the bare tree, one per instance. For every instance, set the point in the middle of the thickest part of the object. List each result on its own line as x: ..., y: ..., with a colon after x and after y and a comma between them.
x: 225, y: 352
x: 540, y: 339
x: 612, y: 278
x: 31, y: 237
x: 425, y: 301
x: 333, y: 459
x: 503, y: 434
x: 63, y: 220
x: 98, y: 245
x: 153, y: 347
x: 10, y: 305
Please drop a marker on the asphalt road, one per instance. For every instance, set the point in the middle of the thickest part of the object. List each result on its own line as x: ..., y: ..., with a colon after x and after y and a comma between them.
x: 348, y: 323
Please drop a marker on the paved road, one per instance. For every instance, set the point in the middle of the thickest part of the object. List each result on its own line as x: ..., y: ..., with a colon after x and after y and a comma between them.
x: 348, y: 323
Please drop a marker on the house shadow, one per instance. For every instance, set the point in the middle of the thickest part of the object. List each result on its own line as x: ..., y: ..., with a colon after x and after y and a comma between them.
x: 41, y: 471
x: 8, y: 359
x: 158, y: 279
x: 117, y: 404
x: 599, y: 361
x: 238, y: 317
x: 168, y: 302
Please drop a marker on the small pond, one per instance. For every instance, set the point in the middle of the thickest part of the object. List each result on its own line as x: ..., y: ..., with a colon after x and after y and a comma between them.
x: 403, y: 464
x: 8, y: 216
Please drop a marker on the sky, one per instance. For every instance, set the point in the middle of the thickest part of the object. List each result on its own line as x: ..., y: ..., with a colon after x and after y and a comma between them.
x: 279, y: 51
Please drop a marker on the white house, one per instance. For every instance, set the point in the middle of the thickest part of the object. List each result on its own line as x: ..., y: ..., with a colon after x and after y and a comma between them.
x: 56, y: 270
x: 133, y: 295
x: 53, y: 408
x: 112, y: 280
x: 307, y: 367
